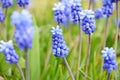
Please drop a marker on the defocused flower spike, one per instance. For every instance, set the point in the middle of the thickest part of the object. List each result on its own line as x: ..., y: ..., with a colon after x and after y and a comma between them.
x: 88, y: 21
x: 59, y: 46
x: 22, y: 3
x: 6, y: 3
x: 24, y: 29
x: 8, y: 50
x: 108, y: 54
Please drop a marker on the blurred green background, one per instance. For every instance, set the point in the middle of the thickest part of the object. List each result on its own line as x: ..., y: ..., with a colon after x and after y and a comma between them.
x: 53, y: 68
x: 43, y: 64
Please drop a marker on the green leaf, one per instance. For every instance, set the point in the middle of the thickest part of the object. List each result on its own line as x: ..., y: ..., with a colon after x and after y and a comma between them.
x: 34, y: 57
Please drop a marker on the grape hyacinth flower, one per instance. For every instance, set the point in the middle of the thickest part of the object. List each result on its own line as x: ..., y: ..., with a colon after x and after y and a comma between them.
x: 107, y: 8
x: 8, y: 50
x: 98, y: 13
x: 6, y: 3
x: 59, y: 46
x: 2, y: 16
x: 23, y: 34
x: 114, y: 1
x: 88, y: 21
x: 10, y: 54
x: 75, y: 11
x: 22, y: 3
x: 24, y: 29
x: 109, y: 59
x: 59, y: 13
x: 67, y: 11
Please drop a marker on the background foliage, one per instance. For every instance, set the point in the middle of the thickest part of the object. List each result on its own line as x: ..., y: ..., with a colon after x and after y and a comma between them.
x: 43, y: 64
x: 53, y: 68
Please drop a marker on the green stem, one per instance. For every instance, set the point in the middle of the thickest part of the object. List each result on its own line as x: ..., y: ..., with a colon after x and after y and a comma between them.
x: 68, y: 67
x: 21, y: 72
x: 27, y: 65
x: 108, y: 76
x: 88, y: 56
x: 3, y: 25
x: 105, y: 32
x: 80, y: 48
x: 117, y: 30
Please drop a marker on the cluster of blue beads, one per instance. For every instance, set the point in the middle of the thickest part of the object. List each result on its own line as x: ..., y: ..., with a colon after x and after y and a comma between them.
x: 24, y: 29
x: 59, y: 46
x: 107, y: 8
x: 98, y: 13
x: 75, y: 11
x: 113, y: 1
x: 109, y: 59
x: 9, y: 52
x: 59, y: 10
x: 22, y: 3
x: 6, y: 3
x: 88, y: 21
x: 67, y: 11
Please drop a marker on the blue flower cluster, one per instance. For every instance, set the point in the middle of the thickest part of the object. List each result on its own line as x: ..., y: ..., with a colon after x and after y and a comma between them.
x: 107, y: 8
x: 98, y: 13
x: 59, y: 15
x: 113, y: 1
x: 59, y: 46
x: 22, y: 3
x: 6, y: 3
x: 88, y: 21
x: 2, y: 16
x: 24, y: 29
x: 75, y: 11
x: 9, y: 52
x: 67, y: 11
x: 109, y: 59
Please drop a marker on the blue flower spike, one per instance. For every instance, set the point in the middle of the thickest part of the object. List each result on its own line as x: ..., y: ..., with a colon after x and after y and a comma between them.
x: 8, y: 50
x: 110, y: 63
x: 59, y: 46
x: 24, y: 29
x: 98, y: 13
x: 75, y: 11
x: 107, y: 8
x: 6, y: 3
x: 88, y: 21
x: 22, y: 3
x: 59, y: 13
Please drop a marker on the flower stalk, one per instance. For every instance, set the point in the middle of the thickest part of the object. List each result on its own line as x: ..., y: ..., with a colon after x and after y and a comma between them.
x: 88, y: 56
x: 80, y: 48
x: 27, y: 65
x: 117, y: 30
x: 21, y: 72
x: 105, y: 32
x: 3, y: 24
x: 68, y: 67
x: 108, y: 76
x: 89, y: 44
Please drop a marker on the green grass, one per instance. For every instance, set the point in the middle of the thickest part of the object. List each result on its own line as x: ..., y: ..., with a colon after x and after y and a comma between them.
x: 53, y: 68
x: 43, y: 64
